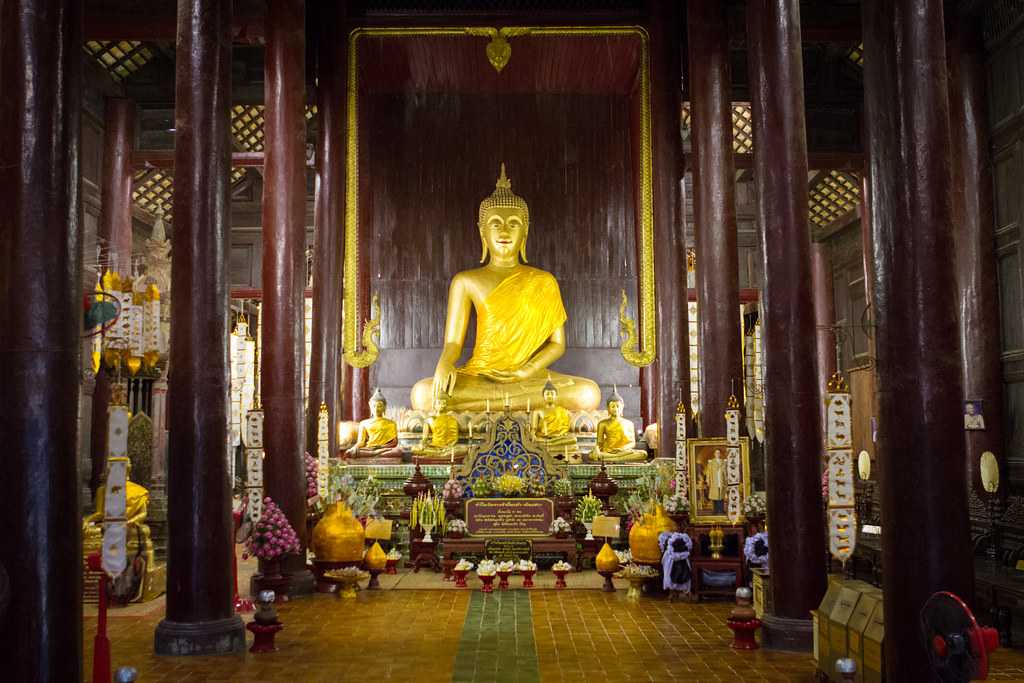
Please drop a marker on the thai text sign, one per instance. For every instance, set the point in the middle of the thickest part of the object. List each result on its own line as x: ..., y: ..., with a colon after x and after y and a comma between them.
x: 514, y: 517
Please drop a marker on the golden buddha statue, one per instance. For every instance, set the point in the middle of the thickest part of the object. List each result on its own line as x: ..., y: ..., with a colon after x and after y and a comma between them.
x: 550, y: 426
x: 520, y: 322
x: 616, y: 436
x: 378, y: 436
x: 139, y: 541
x: 440, y: 440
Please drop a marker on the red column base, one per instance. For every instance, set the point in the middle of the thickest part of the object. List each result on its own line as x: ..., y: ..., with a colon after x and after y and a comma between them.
x: 743, y: 634
x: 263, y: 637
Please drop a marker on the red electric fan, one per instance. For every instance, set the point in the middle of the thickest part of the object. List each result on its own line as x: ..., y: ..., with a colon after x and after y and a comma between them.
x: 957, y: 646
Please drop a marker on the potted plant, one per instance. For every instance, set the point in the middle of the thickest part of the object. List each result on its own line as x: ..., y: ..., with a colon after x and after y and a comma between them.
x: 561, y: 489
x: 456, y: 528
x: 588, y: 507
x: 527, y: 569
x: 504, y: 571
x: 678, y: 508
x: 509, y: 485
x: 461, y: 569
x: 755, y: 507
x: 560, y: 528
x: 560, y: 569
x: 271, y: 539
x: 427, y: 512
x: 486, y: 571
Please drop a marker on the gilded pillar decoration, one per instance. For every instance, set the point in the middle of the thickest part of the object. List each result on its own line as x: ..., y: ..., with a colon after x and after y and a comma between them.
x: 673, y: 364
x: 200, y: 617
x: 714, y: 209
x: 974, y: 232
x: 792, y: 428
x: 920, y: 418
x: 40, y: 344
x: 326, y: 379
x: 284, y: 273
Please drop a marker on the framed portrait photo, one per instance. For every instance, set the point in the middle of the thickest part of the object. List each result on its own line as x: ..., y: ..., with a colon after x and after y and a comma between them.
x: 718, y: 480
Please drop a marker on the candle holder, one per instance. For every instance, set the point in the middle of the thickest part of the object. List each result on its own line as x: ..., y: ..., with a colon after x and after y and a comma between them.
x: 717, y: 539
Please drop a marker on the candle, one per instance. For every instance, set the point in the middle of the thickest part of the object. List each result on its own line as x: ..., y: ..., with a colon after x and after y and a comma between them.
x: 488, y: 405
x: 527, y: 405
x: 470, y: 431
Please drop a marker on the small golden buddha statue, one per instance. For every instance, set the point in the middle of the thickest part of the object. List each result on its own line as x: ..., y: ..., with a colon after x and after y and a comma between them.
x: 440, y: 440
x: 520, y: 322
x: 378, y: 435
x: 551, y: 428
x: 616, y: 436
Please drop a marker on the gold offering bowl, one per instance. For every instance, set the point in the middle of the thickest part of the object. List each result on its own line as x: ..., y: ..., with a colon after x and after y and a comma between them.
x: 348, y: 581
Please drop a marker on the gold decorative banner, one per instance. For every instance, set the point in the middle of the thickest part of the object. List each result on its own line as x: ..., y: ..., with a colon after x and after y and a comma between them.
x: 362, y: 351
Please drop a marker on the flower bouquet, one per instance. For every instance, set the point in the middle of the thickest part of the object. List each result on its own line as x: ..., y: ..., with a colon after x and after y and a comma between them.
x: 676, y: 504
x: 588, y: 507
x: 456, y: 528
x: 560, y: 569
x: 504, y: 571
x: 755, y: 509
x: 510, y: 485
x: 460, y: 571
x: 527, y: 569
x: 755, y: 549
x: 393, y: 558
x: 482, y: 487
x: 312, y: 467
x: 562, y: 487
x: 348, y: 579
x: 427, y: 512
x: 560, y: 528
x: 535, y: 488
x: 625, y: 557
x: 486, y: 571
x: 271, y: 538
x: 452, y: 490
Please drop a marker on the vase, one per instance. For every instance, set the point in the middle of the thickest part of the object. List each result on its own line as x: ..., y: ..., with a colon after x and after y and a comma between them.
x: 488, y: 581
x: 427, y: 528
x: 590, y: 531
x: 460, y: 577
x: 338, y: 536
x: 643, y: 537
x: 559, y: 577
x: 503, y: 580
x: 528, y: 578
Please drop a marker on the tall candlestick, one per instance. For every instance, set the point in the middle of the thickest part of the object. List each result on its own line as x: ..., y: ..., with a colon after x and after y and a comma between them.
x: 488, y: 405
x: 470, y: 431
x: 527, y: 405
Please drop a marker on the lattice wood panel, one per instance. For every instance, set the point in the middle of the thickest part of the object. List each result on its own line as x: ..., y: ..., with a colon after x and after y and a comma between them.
x: 742, y: 126
x: 834, y: 195
x: 120, y: 58
x: 247, y: 125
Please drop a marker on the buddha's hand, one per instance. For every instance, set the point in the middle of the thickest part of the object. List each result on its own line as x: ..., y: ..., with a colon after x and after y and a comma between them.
x: 507, y: 376
x: 444, y: 378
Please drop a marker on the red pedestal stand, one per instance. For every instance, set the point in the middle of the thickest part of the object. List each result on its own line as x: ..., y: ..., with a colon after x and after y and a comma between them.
x: 263, y: 636
x: 559, y: 577
x: 488, y: 583
x: 743, y: 633
x: 460, y: 577
x: 528, y: 578
x: 503, y: 580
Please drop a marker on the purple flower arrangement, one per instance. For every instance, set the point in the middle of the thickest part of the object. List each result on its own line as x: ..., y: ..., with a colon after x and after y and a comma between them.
x: 272, y: 536
x: 312, y: 469
x: 755, y: 549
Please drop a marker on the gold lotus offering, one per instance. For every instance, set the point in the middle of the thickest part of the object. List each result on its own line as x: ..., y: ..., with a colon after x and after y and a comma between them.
x: 348, y: 580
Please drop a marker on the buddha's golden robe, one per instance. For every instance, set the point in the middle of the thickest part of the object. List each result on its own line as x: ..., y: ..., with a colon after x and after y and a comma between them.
x: 615, y: 437
x: 444, y: 431
x: 514, y: 321
x: 554, y: 422
x: 380, y: 432
x: 616, y: 444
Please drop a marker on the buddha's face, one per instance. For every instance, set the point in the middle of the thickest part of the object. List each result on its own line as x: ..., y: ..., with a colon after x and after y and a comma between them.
x: 614, y: 408
x: 504, y: 233
x: 377, y: 408
x: 549, y: 396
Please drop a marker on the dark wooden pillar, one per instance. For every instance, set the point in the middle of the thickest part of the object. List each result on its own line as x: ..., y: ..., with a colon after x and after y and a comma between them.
x: 714, y: 212
x: 115, y: 234
x: 40, y: 349
x: 669, y: 225
x: 792, y: 394
x: 823, y: 291
x: 328, y: 254
x: 920, y: 423
x: 284, y: 271
x: 200, y: 614
x: 974, y: 223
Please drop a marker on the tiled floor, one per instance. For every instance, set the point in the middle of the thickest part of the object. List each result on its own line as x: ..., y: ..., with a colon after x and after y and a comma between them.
x: 462, y: 635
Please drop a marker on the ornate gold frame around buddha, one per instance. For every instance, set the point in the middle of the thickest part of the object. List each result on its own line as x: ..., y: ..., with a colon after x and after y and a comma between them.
x: 636, y: 352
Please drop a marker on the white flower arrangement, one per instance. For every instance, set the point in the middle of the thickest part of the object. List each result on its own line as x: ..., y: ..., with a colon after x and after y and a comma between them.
x: 625, y: 556
x: 464, y: 565
x: 393, y: 554
x: 506, y: 566
x: 527, y: 566
x: 561, y: 566
x: 755, y: 505
x: 457, y: 526
x: 559, y: 525
x: 486, y: 568
x: 676, y: 504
